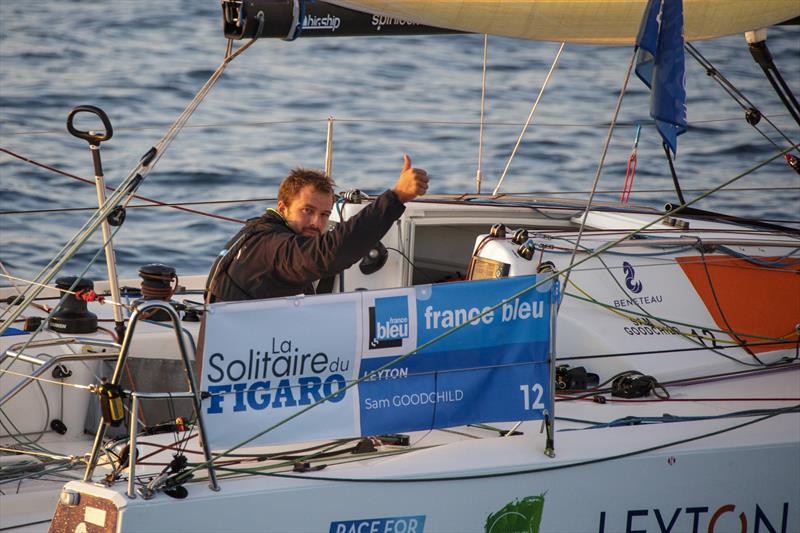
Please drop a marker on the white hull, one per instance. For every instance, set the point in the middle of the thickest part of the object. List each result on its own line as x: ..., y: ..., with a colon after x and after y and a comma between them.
x: 702, y: 486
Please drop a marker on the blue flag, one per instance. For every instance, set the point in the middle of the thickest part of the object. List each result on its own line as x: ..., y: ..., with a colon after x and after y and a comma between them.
x: 660, y: 65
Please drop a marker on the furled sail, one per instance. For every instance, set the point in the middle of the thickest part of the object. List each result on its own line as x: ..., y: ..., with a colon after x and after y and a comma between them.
x: 579, y: 21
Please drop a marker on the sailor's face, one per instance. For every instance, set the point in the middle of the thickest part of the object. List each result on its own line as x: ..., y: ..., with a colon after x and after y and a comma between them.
x: 308, y: 212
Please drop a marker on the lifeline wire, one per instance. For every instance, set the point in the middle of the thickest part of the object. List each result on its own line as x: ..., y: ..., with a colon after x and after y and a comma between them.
x: 530, y: 116
x: 137, y: 196
x: 127, y: 188
x: 416, y: 122
x: 554, y: 276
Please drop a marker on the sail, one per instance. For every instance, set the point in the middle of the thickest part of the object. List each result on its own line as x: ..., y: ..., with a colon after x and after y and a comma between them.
x: 579, y: 21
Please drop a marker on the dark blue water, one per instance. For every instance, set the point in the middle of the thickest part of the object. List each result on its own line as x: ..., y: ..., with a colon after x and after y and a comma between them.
x: 143, y: 60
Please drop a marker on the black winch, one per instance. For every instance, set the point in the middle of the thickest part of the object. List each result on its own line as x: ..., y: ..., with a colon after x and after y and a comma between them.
x: 158, y: 283
x: 72, y: 315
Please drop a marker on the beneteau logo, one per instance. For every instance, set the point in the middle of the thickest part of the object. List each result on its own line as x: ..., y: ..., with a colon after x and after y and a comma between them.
x: 635, y: 286
x: 327, y: 22
x: 388, y: 322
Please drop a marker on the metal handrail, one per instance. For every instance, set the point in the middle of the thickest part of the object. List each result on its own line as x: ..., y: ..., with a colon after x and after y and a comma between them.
x: 134, y: 429
x: 193, y: 392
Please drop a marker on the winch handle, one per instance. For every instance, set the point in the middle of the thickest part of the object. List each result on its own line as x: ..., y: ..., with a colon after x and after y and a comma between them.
x: 93, y: 137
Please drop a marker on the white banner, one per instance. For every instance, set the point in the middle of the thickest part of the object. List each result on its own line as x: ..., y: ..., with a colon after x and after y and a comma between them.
x: 268, y: 359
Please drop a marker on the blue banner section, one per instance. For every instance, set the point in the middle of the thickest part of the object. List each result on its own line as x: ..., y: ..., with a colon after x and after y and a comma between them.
x: 494, y: 368
x: 660, y: 65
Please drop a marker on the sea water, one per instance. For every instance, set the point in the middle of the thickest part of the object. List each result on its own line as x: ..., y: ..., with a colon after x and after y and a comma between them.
x: 142, y: 61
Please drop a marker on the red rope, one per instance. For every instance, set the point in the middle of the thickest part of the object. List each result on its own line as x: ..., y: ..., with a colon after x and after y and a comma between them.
x: 138, y: 197
x: 630, y: 171
x: 88, y: 295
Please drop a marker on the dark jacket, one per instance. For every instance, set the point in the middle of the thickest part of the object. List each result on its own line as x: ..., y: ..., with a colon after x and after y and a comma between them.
x: 266, y: 259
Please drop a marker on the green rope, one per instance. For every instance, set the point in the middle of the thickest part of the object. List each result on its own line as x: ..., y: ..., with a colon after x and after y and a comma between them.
x: 445, y: 334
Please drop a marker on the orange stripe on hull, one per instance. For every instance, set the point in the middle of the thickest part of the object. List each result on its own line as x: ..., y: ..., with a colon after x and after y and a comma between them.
x: 747, y: 298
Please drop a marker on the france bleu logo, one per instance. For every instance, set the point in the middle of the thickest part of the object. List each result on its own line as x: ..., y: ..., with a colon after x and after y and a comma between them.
x: 389, y: 323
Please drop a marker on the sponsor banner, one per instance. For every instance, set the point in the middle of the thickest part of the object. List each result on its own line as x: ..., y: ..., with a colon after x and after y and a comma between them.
x: 495, y: 368
x: 267, y: 360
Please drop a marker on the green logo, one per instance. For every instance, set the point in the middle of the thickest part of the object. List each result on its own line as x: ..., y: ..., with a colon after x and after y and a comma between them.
x: 519, y: 516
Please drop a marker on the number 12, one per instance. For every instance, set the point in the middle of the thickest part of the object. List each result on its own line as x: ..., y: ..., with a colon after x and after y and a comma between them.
x: 538, y: 390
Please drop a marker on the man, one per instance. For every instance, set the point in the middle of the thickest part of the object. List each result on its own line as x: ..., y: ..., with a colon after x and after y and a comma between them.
x: 284, y: 251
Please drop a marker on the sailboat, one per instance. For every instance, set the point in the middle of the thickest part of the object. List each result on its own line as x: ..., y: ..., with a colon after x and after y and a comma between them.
x: 665, y: 395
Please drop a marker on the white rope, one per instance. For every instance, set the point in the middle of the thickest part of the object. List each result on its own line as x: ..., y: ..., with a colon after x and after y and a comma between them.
x: 479, y: 174
x: 45, y: 380
x: 530, y: 116
x: 600, y: 164
x: 29, y: 282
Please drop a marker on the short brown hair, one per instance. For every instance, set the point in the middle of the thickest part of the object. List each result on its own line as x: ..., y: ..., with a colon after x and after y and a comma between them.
x: 298, y: 178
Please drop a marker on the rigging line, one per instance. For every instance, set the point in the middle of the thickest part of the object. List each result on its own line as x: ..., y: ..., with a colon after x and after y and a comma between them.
x: 238, y: 124
x: 674, y: 174
x: 334, y: 460
x: 156, y: 203
x: 735, y: 93
x: 434, y: 373
x: 90, y: 182
x: 633, y: 453
x: 127, y: 187
x: 167, y: 139
x: 371, y: 374
x: 782, y: 399
x: 8, y: 275
x: 684, y: 382
x: 66, y: 291
x: 28, y: 301
x: 530, y: 117
x: 601, y: 162
x: 491, y: 309
x: 488, y: 310
x: 673, y: 350
x: 478, y: 174
x: 45, y: 380
x: 21, y: 437
x: 730, y: 332
x: 57, y: 457
x: 695, y: 338
x: 774, y: 340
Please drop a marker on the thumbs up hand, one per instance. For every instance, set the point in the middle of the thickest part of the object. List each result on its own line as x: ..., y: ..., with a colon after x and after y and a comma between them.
x: 413, y: 182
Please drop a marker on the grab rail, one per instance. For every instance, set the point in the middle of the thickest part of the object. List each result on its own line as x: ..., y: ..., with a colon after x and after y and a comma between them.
x: 193, y: 392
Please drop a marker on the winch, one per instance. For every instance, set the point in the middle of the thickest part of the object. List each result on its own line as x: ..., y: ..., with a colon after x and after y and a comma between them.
x: 72, y: 315
x: 158, y: 283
